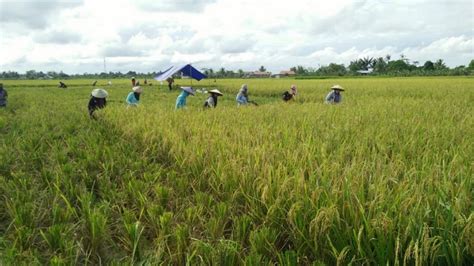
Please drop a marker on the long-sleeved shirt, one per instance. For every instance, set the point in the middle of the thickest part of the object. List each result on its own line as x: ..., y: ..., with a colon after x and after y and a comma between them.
x: 332, y: 97
x: 131, y: 99
x: 181, y: 100
x: 3, y: 97
x: 211, y: 101
x: 96, y: 103
x: 241, y: 99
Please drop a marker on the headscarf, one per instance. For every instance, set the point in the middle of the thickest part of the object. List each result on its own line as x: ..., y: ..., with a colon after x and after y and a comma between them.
x: 137, y: 95
x: 293, y: 89
x: 243, y: 89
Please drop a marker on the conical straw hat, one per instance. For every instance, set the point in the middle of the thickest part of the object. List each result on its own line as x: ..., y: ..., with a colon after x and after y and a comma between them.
x: 99, y: 93
x: 188, y: 89
x: 216, y: 91
x: 337, y: 87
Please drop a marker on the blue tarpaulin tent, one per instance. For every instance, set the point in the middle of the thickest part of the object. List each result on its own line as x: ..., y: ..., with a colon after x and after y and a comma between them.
x: 186, y: 70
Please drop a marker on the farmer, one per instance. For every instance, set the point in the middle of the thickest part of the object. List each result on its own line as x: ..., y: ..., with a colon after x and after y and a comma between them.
x: 242, y: 97
x: 334, y: 96
x: 288, y: 95
x: 3, y: 96
x: 97, y: 101
x: 134, y: 83
x: 170, y: 81
x: 181, y: 100
x: 212, y: 100
x: 62, y: 85
x: 133, y: 98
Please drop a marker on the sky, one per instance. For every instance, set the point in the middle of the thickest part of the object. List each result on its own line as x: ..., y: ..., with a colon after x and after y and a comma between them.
x: 75, y: 36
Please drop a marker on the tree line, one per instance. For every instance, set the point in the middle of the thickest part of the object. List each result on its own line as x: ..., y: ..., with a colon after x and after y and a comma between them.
x: 363, y: 66
x: 388, y: 67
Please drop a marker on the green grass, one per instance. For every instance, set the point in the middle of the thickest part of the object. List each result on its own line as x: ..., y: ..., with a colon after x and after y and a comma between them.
x: 386, y: 177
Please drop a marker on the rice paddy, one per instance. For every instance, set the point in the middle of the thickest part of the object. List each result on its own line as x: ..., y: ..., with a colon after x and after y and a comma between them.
x: 384, y: 178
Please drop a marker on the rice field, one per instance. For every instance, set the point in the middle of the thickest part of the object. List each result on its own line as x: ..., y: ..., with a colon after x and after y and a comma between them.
x: 385, y: 178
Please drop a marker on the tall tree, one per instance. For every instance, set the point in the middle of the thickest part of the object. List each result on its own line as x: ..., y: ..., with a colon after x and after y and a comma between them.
x: 222, y: 72
x: 471, y: 65
x: 301, y: 70
x: 398, y: 65
x: 380, y: 66
x: 262, y: 69
x: 440, y: 65
x: 367, y: 62
x: 428, y: 66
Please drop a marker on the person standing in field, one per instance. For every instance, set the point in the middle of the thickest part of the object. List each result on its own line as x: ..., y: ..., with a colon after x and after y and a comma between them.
x: 242, y: 97
x: 334, y: 96
x: 212, y: 100
x: 3, y: 96
x: 170, y: 81
x: 97, y: 101
x: 181, y: 100
x: 288, y: 95
x: 133, y: 98
x: 134, y: 82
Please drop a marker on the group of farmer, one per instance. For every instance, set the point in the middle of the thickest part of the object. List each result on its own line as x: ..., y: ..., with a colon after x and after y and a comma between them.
x: 98, y: 96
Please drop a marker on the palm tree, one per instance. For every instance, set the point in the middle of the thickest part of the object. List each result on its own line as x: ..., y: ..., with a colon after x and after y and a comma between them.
x: 222, y: 72
x: 439, y: 64
x: 367, y: 62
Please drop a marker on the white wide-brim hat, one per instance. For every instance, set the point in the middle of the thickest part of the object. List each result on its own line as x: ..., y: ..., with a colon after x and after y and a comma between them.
x: 337, y: 87
x: 188, y: 89
x: 137, y: 89
x: 215, y: 91
x: 99, y: 93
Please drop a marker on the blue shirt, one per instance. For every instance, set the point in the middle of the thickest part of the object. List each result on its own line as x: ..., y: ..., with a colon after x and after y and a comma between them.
x: 181, y: 100
x: 131, y: 100
x: 241, y: 99
x: 332, y: 97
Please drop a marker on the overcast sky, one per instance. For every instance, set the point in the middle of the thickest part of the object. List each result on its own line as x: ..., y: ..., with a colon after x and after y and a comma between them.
x: 149, y: 35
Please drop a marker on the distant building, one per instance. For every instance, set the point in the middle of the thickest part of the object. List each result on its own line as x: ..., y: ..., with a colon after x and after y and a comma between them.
x: 287, y: 73
x: 365, y: 72
x: 258, y: 74
x: 284, y: 73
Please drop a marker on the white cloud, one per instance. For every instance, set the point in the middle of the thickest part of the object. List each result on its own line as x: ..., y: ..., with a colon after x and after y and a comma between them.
x: 149, y: 35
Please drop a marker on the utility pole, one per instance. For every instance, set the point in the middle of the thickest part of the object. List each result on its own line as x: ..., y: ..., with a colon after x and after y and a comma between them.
x: 105, y: 68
